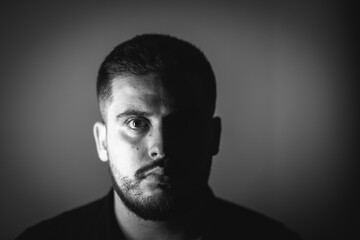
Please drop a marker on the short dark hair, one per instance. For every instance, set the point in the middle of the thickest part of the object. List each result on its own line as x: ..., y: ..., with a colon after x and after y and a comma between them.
x: 159, y: 54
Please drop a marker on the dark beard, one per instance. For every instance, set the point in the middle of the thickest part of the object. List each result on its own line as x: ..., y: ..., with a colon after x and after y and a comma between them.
x: 154, y: 208
x: 176, y: 197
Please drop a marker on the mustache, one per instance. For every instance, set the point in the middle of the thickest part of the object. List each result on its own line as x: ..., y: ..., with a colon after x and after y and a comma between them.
x: 141, y: 172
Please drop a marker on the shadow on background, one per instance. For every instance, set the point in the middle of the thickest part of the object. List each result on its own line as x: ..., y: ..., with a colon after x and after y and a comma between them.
x: 287, y: 94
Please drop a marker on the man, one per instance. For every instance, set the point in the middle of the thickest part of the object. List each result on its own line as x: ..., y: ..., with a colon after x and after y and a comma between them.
x: 158, y: 135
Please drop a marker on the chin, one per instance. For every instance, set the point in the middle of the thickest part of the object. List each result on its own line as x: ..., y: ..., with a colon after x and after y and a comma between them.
x: 157, y: 206
x: 153, y: 203
x: 154, y: 199
x: 154, y: 189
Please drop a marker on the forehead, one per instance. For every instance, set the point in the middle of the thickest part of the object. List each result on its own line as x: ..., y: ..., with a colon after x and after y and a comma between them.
x: 150, y: 84
x: 154, y: 90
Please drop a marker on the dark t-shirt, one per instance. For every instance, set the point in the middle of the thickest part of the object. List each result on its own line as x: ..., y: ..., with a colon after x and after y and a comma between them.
x: 96, y: 220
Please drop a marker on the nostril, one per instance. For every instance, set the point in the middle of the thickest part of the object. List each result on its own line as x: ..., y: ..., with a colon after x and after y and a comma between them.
x: 156, y: 153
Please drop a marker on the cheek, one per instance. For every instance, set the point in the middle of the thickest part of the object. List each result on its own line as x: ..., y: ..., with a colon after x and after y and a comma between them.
x: 135, y: 142
x: 126, y: 153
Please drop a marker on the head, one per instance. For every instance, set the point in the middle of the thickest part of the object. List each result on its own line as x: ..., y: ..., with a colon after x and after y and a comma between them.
x: 157, y: 99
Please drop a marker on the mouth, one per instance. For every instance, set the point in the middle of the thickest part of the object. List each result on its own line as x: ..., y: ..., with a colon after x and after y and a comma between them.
x: 155, y: 171
x: 157, y: 176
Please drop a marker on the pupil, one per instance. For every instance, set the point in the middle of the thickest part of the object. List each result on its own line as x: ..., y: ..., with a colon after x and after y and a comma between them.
x: 137, y: 123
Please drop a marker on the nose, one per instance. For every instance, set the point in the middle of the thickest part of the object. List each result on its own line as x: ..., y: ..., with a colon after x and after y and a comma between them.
x: 156, y: 144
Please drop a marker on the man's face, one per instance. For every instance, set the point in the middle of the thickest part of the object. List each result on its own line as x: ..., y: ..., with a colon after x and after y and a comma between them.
x: 159, y: 144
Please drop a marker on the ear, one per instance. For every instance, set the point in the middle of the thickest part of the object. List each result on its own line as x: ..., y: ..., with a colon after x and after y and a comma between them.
x: 216, y: 132
x: 100, y: 140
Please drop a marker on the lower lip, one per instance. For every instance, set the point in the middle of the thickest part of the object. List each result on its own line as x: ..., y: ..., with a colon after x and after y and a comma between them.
x: 157, y: 178
x: 156, y: 182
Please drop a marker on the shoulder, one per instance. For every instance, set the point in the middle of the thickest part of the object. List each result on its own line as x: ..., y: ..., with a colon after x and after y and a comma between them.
x: 231, y: 220
x: 67, y: 224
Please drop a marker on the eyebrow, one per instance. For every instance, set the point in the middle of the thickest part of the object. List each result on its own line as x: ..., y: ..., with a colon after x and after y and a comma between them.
x: 133, y: 112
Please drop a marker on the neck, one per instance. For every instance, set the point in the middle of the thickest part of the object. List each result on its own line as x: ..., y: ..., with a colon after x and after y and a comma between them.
x: 182, y: 226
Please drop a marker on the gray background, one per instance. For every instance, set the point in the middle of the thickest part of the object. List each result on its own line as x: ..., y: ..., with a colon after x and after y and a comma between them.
x: 286, y: 95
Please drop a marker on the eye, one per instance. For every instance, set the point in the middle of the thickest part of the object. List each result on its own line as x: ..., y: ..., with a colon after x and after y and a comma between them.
x: 137, y: 124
